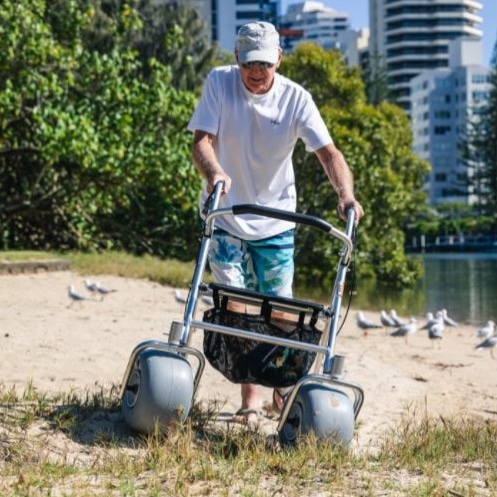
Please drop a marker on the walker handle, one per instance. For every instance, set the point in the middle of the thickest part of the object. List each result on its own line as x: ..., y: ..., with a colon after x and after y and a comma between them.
x: 294, y: 217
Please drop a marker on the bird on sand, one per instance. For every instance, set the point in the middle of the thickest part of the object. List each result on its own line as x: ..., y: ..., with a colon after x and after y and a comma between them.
x: 179, y: 297
x: 396, y: 319
x: 386, y: 320
x: 102, y: 290
x: 486, y: 331
x: 406, y: 329
x: 488, y: 343
x: 435, y: 331
x: 447, y: 320
x: 366, y: 324
x: 90, y: 285
x: 207, y: 299
x: 75, y: 296
x: 432, y: 319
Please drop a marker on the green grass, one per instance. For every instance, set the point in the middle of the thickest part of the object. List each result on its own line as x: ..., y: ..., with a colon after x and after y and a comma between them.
x: 77, y: 444
x: 167, y: 272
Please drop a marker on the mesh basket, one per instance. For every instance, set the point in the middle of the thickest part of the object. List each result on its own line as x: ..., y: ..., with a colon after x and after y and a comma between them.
x: 243, y: 360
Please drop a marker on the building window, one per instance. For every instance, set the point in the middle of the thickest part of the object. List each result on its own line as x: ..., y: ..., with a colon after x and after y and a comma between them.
x: 479, y: 96
x: 479, y: 78
x: 442, y: 114
x: 441, y: 130
x: 440, y: 177
x: 249, y: 14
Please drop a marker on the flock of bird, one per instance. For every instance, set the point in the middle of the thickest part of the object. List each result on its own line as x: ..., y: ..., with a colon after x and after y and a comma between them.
x: 435, y: 325
x: 95, y: 288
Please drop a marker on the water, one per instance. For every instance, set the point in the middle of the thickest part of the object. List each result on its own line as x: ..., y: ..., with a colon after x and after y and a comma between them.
x: 464, y: 284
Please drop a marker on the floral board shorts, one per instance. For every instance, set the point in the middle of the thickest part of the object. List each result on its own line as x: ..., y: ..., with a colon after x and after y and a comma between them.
x: 265, y: 266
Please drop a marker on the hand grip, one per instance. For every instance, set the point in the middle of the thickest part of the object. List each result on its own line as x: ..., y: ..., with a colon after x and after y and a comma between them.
x: 293, y: 217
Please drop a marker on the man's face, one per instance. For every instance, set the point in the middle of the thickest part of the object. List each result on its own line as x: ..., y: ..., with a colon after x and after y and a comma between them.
x: 258, y: 76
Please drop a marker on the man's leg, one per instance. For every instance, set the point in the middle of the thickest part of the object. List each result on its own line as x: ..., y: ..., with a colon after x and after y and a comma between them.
x: 273, y: 261
x: 264, y: 265
x: 230, y: 264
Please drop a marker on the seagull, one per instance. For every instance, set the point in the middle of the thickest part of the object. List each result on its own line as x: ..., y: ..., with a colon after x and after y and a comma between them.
x: 179, y: 297
x: 207, y: 299
x: 488, y: 343
x: 447, y: 320
x: 74, y: 295
x: 406, y: 329
x: 487, y: 331
x: 386, y: 320
x: 90, y: 285
x: 431, y: 320
x: 102, y: 290
x: 366, y: 324
x: 435, y: 332
x: 396, y: 319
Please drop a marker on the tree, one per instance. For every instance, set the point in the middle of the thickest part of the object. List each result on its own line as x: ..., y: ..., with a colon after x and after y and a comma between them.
x: 376, y: 142
x: 171, y: 33
x: 485, y: 142
x: 376, y: 80
x: 91, y: 154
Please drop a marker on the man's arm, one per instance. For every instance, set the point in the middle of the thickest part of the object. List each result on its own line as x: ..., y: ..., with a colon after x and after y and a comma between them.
x: 341, y: 179
x: 205, y: 160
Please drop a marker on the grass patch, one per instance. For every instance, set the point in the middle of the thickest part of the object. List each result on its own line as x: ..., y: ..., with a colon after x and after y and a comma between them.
x: 166, y: 272
x: 77, y: 444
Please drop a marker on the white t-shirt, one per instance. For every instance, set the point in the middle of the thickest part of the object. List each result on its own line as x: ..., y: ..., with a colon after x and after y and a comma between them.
x: 256, y: 135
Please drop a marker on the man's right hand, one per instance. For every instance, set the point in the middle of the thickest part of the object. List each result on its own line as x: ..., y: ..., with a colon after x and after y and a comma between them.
x: 214, y: 179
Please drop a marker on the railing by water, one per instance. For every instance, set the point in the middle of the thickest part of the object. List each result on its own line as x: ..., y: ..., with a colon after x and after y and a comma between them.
x: 453, y: 243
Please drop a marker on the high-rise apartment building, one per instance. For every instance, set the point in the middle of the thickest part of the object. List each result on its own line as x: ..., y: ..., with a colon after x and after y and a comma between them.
x: 223, y: 17
x: 228, y: 15
x: 311, y: 21
x: 445, y: 104
x: 412, y: 36
x: 315, y: 22
x: 303, y: 21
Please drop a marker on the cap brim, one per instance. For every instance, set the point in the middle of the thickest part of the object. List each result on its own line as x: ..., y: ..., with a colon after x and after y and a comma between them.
x: 270, y: 56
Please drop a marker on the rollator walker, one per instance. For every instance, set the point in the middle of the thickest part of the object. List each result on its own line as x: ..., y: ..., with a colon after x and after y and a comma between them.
x: 276, y: 345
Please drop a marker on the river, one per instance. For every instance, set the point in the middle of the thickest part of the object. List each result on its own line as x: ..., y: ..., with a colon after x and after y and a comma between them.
x: 464, y: 284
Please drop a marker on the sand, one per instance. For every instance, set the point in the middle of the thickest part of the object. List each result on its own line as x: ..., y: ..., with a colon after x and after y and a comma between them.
x: 60, y: 345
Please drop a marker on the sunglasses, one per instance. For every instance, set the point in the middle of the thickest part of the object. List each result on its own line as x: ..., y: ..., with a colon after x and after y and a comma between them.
x: 262, y: 65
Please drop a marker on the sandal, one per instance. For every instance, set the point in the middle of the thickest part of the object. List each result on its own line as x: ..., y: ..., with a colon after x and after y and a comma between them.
x: 246, y: 416
x: 273, y: 409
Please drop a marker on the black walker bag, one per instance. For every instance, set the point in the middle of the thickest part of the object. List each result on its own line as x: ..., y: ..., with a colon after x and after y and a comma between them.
x: 243, y: 360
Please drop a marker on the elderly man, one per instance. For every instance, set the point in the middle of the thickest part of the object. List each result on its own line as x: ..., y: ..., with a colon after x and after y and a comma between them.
x: 246, y: 126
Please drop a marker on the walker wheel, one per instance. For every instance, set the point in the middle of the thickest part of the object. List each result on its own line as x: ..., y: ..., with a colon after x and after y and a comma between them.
x: 158, y: 392
x: 322, y: 410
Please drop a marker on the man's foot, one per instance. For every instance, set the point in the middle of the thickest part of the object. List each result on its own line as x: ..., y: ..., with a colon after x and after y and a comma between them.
x: 246, y: 416
x: 273, y: 409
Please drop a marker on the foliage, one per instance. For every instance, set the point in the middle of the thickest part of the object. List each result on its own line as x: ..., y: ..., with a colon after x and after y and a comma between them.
x: 451, y: 219
x: 91, y: 154
x: 169, y: 32
x: 376, y: 80
x: 376, y: 142
x: 484, y: 140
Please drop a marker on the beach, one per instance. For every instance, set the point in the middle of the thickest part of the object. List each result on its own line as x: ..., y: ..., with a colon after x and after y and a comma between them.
x: 59, y: 345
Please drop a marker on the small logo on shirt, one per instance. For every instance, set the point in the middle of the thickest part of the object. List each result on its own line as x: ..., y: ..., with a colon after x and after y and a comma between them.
x: 275, y: 121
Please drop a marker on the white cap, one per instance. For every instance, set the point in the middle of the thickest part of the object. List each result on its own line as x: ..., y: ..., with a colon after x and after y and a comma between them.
x: 258, y: 41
